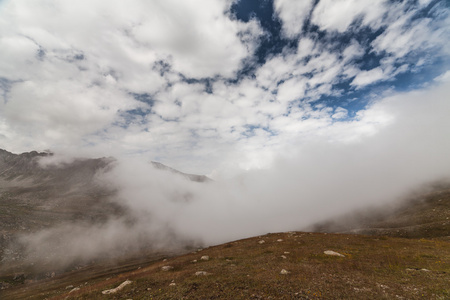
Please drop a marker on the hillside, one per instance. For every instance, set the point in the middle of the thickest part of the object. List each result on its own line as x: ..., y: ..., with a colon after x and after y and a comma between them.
x: 399, y: 252
x: 66, y: 197
x: 35, y: 197
x: 422, y: 216
x: 372, y: 268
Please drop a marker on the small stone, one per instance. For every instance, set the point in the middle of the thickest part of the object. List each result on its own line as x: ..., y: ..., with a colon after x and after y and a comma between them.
x: 69, y: 287
x: 202, y: 273
x: 205, y: 257
x: 74, y: 290
x: 279, y: 240
x: 284, y: 257
x: 425, y: 270
x: 284, y: 272
x: 285, y: 252
x: 166, y: 268
x: 165, y: 259
x: 332, y: 253
x: 115, y: 290
x: 261, y: 241
x: 194, y: 261
x: 172, y: 284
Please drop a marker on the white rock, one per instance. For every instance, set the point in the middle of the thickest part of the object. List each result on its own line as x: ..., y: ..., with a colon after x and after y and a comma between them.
x: 74, y: 290
x: 202, y: 273
x: 332, y: 253
x: 205, y: 257
x: 285, y: 252
x: 172, y: 284
x: 166, y: 268
x: 262, y: 241
x: 284, y: 272
x: 284, y: 257
x: 115, y: 290
x: 279, y: 240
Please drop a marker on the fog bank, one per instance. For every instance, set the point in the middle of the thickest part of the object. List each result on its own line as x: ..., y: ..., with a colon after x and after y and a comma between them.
x: 318, y: 180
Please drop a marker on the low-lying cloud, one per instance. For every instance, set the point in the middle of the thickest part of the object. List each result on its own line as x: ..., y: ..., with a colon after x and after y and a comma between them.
x: 316, y: 181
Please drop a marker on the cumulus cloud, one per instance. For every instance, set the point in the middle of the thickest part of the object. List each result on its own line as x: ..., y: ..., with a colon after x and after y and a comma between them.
x: 292, y: 15
x: 339, y: 15
x: 170, y: 81
x: 367, y: 77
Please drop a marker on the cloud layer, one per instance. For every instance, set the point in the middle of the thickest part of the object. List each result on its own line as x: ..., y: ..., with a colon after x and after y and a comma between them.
x: 171, y: 80
x: 319, y: 180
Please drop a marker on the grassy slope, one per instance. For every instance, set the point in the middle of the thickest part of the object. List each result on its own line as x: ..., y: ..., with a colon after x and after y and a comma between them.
x: 424, y: 216
x: 373, y: 268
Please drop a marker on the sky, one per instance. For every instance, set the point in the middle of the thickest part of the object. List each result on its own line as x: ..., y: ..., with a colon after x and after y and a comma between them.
x: 212, y: 87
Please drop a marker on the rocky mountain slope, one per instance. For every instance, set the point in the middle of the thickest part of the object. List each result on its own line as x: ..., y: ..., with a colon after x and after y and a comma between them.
x: 293, y: 265
x: 38, y: 193
x: 422, y: 216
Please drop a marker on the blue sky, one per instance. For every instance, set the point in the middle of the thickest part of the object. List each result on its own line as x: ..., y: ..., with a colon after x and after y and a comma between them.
x: 211, y: 86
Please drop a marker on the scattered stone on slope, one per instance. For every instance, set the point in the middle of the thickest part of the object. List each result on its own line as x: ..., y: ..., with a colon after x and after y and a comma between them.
x: 115, y: 290
x: 333, y: 253
x: 284, y: 272
x: 202, y: 273
x: 166, y: 268
x: 262, y: 241
x: 74, y: 290
x: 205, y: 257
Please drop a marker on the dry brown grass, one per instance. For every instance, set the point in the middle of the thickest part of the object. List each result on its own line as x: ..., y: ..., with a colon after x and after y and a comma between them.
x: 373, y: 268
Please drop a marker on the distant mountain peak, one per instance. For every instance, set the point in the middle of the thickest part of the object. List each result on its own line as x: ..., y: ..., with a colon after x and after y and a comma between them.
x: 192, y: 177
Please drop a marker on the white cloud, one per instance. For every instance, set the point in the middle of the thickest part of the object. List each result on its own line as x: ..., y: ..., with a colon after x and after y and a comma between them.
x: 353, y: 51
x: 339, y: 14
x: 70, y: 83
x: 306, y: 47
x: 292, y: 15
x: 368, y: 77
x: 291, y: 89
x: 444, y: 77
x: 340, y: 113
